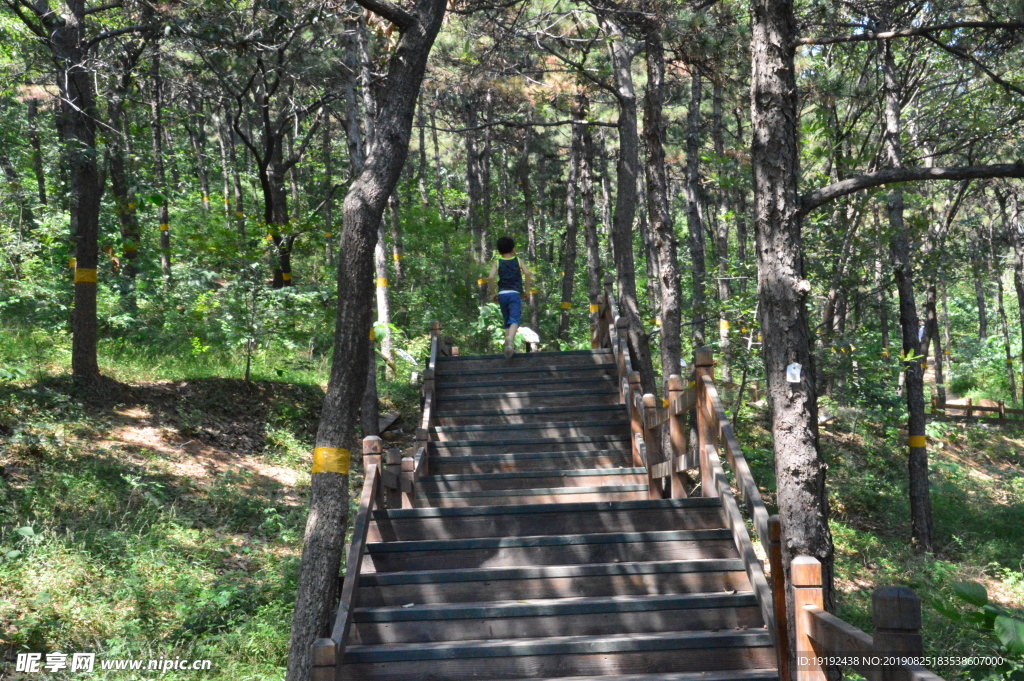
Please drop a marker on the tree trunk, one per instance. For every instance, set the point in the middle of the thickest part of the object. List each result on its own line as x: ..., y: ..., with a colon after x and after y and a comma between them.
x: 572, y: 216
x: 694, y: 221
x: 26, y: 218
x: 931, y: 330
x: 438, y: 179
x: 421, y: 123
x: 590, y: 216
x: 625, y: 202
x: 1003, y: 322
x: 782, y: 292
x: 658, y: 204
x: 197, y: 135
x: 397, y: 252
x: 120, y: 183
x: 606, y: 200
x: 37, y: 148
x: 978, y: 269
x: 473, y: 189
x: 1016, y: 229
x: 920, y: 500
x: 364, y: 207
x: 157, y: 106
x: 328, y: 160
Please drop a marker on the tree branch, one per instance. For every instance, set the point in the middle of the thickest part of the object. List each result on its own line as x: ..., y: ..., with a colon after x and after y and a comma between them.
x: 960, y: 54
x: 390, y: 11
x: 911, y: 32
x: 116, y: 32
x: 819, y: 197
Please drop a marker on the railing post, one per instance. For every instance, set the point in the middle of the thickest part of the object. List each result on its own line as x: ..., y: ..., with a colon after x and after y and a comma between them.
x: 654, y: 486
x: 636, y: 426
x: 779, y: 596
x: 373, y: 448
x: 325, y: 662
x: 805, y: 574
x: 896, y: 615
x: 677, y: 436
x: 970, y: 412
x: 621, y: 331
x: 705, y: 366
x: 393, y: 495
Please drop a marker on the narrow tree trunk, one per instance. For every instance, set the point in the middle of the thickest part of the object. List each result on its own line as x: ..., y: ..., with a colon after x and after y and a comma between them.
x: 438, y: 179
x: 978, y: 271
x: 380, y: 258
x: 782, y: 292
x: 571, y: 221
x: 364, y: 206
x: 658, y: 203
x: 694, y: 221
x: 920, y: 500
x: 1003, y: 322
x: 120, y: 184
x: 26, y: 218
x: 197, y: 135
x: 37, y: 148
x: 473, y: 190
x: 931, y: 324
x: 606, y: 201
x: 157, y: 106
x: 397, y: 252
x: 421, y: 123
x: 625, y: 202
x: 590, y: 214
x: 328, y: 161
x: 948, y: 350
x: 1016, y: 229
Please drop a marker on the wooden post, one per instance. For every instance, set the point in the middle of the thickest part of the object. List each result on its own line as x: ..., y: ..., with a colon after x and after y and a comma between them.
x: 970, y: 412
x: 373, y: 448
x: 325, y: 652
x: 393, y: 495
x: 805, y: 574
x: 705, y: 366
x: 677, y: 432
x: 1002, y: 411
x: 621, y: 334
x: 636, y: 426
x: 896, y: 615
x: 778, y: 576
x: 651, y: 439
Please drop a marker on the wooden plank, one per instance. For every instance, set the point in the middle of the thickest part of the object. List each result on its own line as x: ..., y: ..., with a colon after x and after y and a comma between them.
x: 452, y: 374
x: 523, y: 480
x: 729, y: 675
x: 534, y: 491
x: 548, y: 540
x: 755, y: 570
x: 572, y: 440
x: 353, y: 564
x: 387, y: 420
x: 603, y: 355
x: 529, y: 428
x: 561, y: 645
x: 531, y: 384
x: 525, y: 461
x: 535, y: 393
x: 697, y: 502
x: 528, y: 496
x: 583, y: 472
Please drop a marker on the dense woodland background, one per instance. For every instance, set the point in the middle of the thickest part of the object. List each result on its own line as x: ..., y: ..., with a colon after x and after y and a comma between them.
x: 157, y: 509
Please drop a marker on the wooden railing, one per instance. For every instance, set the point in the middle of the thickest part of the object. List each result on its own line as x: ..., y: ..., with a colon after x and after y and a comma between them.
x: 327, y: 652
x: 892, y: 653
x: 401, y: 483
x: 972, y: 412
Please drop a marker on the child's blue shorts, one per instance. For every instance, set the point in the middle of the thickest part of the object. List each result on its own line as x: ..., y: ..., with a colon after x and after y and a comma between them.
x: 511, y: 307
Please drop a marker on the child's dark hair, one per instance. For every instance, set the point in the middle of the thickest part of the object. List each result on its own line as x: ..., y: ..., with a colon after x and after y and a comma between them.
x: 506, y: 244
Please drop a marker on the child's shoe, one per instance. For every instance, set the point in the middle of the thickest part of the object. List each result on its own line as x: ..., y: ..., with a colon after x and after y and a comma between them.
x: 509, y: 349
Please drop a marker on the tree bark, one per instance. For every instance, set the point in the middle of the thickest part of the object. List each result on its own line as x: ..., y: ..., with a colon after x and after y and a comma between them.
x: 694, y: 220
x: 627, y: 170
x: 666, y: 246
x: 1003, y: 322
x: 920, y: 500
x: 1016, y: 229
x: 363, y: 209
x: 782, y: 291
x: 116, y: 152
x: 594, y: 274
x: 397, y: 251
x: 157, y: 105
x: 35, y: 143
x: 572, y: 217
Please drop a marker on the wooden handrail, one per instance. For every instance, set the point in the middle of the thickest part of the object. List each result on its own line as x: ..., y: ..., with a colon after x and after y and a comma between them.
x: 415, y: 464
x: 327, y: 652
x: 888, y: 655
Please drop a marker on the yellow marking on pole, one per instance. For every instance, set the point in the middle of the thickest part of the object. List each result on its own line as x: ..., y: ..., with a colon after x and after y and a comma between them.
x: 164, y: 227
x: 331, y: 460
x: 566, y: 306
x: 382, y: 282
x: 84, y: 275
x: 664, y: 402
x: 72, y: 263
x: 286, y: 276
x: 918, y: 441
x: 924, y: 365
x: 594, y: 308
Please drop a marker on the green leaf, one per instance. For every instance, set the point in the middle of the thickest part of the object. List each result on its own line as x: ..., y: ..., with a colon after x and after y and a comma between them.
x: 26, y: 531
x: 972, y: 592
x: 13, y: 554
x: 946, y: 610
x: 1010, y: 631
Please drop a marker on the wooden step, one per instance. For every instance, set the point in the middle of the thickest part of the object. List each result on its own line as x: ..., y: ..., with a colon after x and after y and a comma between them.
x: 562, y: 656
x: 582, y: 443
x: 607, y: 426
x: 529, y: 370
x: 566, y: 549
x: 517, y: 480
x: 533, y: 384
x: 557, y: 581
x: 534, y: 495
x: 646, y: 515
x: 524, y: 415
x: 728, y: 675
x: 588, y: 616
x: 526, y: 461
x: 573, y: 357
x: 452, y: 404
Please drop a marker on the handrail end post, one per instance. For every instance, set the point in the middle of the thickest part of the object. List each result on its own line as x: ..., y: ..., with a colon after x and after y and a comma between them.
x: 805, y: 576
x: 896, y: 616
x: 325, y: 659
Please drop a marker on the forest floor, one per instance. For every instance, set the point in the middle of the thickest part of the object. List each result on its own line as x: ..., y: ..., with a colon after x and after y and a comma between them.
x: 167, y: 521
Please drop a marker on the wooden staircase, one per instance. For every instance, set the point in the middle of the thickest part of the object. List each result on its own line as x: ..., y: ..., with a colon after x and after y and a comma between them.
x: 535, y: 551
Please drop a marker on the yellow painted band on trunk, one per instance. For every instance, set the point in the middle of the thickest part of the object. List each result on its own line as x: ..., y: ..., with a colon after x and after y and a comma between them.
x: 285, y: 276
x: 533, y: 291
x: 918, y: 441
x: 206, y: 198
x: 328, y: 235
x: 382, y: 282
x: 331, y: 460
x: 594, y: 308
x: 239, y: 214
x: 664, y: 402
x: 85, y: 276
x: 566, y: 306
x: 481, y: 282
x: 131, y: 206
x: 130, y: 249
x: 397, y: 256
x: 373, y: 334
x: 164, y: 227
x: 693, y: 384
x: 657, y: 322
x: 72, y: 263
x: 724, y: 325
